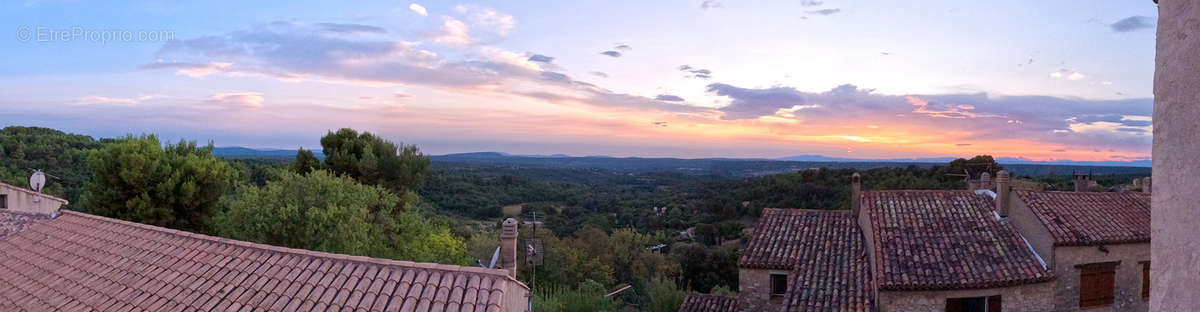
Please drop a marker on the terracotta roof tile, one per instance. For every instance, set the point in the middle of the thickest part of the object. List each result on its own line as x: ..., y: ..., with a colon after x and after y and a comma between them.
x: 825, y: 251
x: 697, y: 302
x: 946, y: 240
x: 12, y: 222
x: 1089, y: 218
x: 78, y: 261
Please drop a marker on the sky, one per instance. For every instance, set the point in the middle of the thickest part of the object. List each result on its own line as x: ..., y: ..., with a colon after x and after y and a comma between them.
x: 1039, y: 80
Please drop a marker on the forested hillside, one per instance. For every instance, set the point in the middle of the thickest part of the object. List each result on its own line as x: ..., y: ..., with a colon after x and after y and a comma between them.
x: 649, y: 223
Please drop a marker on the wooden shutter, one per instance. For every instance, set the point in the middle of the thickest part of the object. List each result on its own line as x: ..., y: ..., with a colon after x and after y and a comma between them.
x: 994, y: 304
x: 1146, y: 280
x: 1096, y: 285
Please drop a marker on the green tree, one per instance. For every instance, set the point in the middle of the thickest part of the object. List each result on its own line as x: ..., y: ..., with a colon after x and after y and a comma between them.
x: 305, y: 162
x: 140, y: 180
x: 321, y: 211
x: 372, y: 160
x: 60, y: 154
x: 665, y: 296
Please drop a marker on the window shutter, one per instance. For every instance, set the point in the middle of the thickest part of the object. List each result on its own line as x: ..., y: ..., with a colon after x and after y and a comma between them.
x: 994, y: 304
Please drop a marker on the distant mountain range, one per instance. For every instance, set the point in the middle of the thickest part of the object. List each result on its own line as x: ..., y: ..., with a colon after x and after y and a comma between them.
x: 724, y: 166
x: 1001, y: 160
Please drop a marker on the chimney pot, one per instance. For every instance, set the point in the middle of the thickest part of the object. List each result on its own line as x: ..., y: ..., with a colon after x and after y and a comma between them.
x: 508, y: 246
x: 1003, y: 186
x: 1146, y: 185
x: 855, y: 193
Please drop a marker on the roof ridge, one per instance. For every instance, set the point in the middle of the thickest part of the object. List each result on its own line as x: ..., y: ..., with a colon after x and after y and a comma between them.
x: 304, y: 252
x: 844, y: 211
x: 51, y: 197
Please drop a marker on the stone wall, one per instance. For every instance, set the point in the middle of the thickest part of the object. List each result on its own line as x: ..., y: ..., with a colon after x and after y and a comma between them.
x: 1127, y: 290
x: 1026, y: 298
x: 1176, y: 244
x: 754, y: 287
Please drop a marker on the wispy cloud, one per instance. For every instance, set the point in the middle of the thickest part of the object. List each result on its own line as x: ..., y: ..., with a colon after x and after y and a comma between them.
x: 711, y: 4
x: 96, y: 99
x: 1067, y: 74
x: 238, y: 100
x: 611, y: 53
x: 1132, y: 23
x: 540, y: 58
x: 668, y: 98
x: 824, y: 11
x: 417, y: 8
x: 194, y: 70
x: 696, y: 72
x: 454, y: 32
x: 974, y: 116
x: 351, y: 28
x: 811, y: 3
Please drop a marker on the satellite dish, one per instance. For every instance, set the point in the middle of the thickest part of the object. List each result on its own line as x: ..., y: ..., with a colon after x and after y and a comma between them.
x: 37, y: 181
x: 495, y: 256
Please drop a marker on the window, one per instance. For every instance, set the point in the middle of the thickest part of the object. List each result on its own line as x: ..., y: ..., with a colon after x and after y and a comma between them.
x: 3, y: 201
x: 1146, y: 280
x: 974, y: 304
x: 1096, y: 284
x: 778, y: 284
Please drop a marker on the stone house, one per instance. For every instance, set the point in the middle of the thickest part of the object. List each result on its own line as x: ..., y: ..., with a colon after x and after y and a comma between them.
x: 951, y: 250
x: 19, y: 199
x: 1098, y: 244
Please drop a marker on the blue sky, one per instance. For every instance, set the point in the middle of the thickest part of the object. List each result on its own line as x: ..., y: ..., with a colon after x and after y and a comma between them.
x: 870, y: 79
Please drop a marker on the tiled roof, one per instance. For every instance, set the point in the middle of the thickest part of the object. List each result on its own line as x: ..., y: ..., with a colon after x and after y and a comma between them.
x: 697, y: 302
x: 12, y: 222
x: 84, y: 262
x: 932, y: 240
x: 1085, y: 218
x: 823, y: 249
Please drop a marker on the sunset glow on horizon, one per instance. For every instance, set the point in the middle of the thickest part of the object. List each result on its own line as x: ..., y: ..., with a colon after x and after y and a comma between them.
x: 863, y: 79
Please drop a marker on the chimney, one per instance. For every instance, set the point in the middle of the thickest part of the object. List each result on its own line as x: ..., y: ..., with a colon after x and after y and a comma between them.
x: 1003, y: 186
x: 1146, y: 185
x: 855, y: 193
x: 985, y: 180
x: 508, y: 246
x: 1082, y: 182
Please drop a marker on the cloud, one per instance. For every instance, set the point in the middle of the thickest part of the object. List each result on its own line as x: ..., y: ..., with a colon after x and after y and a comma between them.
x: 711, y: 4
x: 611, y: 53
x: 824, y: 11
x: 488, y: 19
x: 811, y: 3
x: 399, y: 95
x: 623, y: 47
x: 454, y: 32
x: 599, y: 74
x: 351, y: 28
x: 661, y: 124
x: 1132, y: 23
x: 301, y: 52
x: 962, y: 144
x: 540, y: 58
x: 194, y: 70
x: 668, y: 98
x: 696, y: 72
x: 973, y: 116
x: 90, y: 100
x: 240, y: 100
x: 417, y: 8
x: 1067, y: 74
